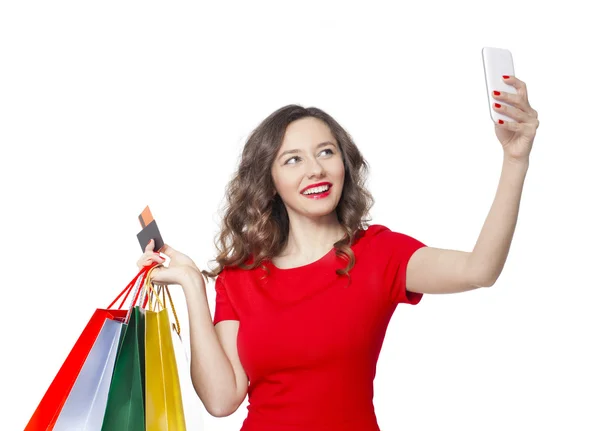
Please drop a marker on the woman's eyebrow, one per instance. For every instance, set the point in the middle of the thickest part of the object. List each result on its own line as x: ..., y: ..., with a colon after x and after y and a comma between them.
x: 322, y: 144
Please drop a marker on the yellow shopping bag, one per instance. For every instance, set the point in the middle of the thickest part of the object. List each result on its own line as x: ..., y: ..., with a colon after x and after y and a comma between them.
x: 193, y: 408
x: 164, y: 406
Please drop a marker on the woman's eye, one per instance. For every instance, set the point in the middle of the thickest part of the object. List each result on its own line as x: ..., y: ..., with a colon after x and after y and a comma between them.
x: 296, y: 157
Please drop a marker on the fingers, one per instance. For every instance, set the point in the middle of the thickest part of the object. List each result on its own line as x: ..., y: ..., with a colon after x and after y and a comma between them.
x: 517, y: 83
x: 149, y: 246
x: 512, y: 99
x: 515, y: 113
x: 164, y: 249
x: 521, y: 99
x: 167, y: 250
x: 149, y: 256
x: 149, y: 260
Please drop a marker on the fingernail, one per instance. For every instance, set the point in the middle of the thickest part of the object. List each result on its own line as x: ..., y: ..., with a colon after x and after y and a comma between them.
x: 505, y: 76
x: 501, y: 121
x: 496, y: 93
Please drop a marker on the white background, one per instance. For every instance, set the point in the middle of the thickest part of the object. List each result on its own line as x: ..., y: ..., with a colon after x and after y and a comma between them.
x: 108, y: 107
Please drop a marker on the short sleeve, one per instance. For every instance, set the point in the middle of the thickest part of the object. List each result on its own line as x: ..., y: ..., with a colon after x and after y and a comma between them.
x: 223, y: 307
x: 397, y: 249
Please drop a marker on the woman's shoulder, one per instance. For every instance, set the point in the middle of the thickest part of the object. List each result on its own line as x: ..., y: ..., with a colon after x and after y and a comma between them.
x: 232, y: 271
x: 383, y: 237
x: 365, y: 237
x: 374, y: 231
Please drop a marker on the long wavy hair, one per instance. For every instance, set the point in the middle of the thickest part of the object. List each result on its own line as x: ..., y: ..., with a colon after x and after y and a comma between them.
x: 255, y: 221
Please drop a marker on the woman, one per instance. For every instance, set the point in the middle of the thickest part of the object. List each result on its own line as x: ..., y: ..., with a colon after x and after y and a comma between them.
x: 304, y: 289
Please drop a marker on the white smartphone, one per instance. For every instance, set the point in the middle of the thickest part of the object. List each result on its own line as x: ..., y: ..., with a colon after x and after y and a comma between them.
x: 497, y: 62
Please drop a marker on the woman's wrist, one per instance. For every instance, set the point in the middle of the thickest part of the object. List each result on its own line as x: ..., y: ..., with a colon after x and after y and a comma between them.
x: 191, y: 278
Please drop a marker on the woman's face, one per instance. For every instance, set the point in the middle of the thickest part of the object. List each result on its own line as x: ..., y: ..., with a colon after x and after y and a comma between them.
x: 316, y: 159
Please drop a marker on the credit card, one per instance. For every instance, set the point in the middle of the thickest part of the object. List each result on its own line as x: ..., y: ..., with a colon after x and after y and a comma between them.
x: 149, y: 231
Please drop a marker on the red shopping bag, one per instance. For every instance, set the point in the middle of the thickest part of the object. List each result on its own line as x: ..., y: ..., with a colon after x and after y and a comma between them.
x: 48, y: 410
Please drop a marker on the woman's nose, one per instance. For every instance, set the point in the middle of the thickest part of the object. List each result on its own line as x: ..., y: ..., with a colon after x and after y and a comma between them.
x: 316, y: 169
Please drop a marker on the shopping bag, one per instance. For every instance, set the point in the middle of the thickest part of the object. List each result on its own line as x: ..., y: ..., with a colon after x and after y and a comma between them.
x: 46, y: 414
x: 164, y: 407
x: 125, y: 404
x: 193, y: 408
x: 84, y: 408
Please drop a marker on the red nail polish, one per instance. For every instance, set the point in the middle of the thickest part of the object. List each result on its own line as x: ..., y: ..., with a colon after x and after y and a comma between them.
x: 505, y: 76
x: 496, y: 93
x: 497, y: 105
x: 501, y: 121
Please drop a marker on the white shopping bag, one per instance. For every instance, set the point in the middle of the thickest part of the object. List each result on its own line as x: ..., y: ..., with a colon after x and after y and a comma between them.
x: 84, y: 408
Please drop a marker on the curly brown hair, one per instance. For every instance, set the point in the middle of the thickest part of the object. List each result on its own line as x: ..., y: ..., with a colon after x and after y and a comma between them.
x: 256, y: 224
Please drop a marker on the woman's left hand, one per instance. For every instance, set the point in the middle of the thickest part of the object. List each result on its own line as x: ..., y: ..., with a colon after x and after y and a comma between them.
x: 516, y: 137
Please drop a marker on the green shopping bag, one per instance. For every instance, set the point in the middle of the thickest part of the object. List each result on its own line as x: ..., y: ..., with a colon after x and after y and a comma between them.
x: 125, y: 409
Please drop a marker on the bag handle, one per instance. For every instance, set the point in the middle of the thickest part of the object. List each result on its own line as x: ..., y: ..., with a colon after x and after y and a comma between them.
x: 128, y: 289
x: 140, y: 278
x: 155, y: 293
x: 151, y: 293
x: 176, y: 325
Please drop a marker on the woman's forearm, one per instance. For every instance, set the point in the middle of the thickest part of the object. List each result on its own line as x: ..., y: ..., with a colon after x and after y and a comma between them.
x: 491, y: 250
x: 211, y: 371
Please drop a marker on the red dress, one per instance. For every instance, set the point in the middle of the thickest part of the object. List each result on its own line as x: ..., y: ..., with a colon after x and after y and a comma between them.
x: 308, y: 341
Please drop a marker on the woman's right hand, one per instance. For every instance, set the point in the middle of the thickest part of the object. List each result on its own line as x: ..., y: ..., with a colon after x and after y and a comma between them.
x: 180, y: 265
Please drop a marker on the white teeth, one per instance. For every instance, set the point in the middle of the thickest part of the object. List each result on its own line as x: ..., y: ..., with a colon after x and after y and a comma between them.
x: 316, y: 190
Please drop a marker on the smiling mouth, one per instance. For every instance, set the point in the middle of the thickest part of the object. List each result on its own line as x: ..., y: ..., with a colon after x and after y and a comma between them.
x: 318, y: 195
x: 328, y: 188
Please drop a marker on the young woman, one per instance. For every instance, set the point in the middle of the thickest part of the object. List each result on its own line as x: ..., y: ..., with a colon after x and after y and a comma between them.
x: 305, y: 288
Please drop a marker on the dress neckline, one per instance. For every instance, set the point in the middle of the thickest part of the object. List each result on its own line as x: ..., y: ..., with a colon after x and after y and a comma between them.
x: 305, y: 266
x: 327, y: 257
